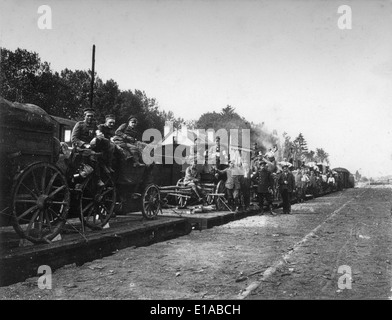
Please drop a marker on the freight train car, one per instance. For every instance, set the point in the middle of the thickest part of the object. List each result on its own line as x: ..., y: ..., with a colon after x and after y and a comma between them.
x: 346, y: 178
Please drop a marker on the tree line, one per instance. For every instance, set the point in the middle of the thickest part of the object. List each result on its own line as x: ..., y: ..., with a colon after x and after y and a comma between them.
x: 26, y: 79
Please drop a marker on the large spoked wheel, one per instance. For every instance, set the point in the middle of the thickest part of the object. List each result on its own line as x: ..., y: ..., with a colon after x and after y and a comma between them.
x: 40, y: 202
x: 97, y: 202
x: 151, y: 202
x: 181, y: 201
x: 210, y: 199
x: 220, y: 188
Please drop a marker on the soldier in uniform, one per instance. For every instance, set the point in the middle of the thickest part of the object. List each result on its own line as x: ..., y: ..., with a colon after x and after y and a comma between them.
x: 84, y: 131
x: 192, y: 179
x: 106, y: 132
x: 127, y: 137
x: 286, y: 186
x: 265, y: 182
x: 107, y: 128
x: 84, y: 137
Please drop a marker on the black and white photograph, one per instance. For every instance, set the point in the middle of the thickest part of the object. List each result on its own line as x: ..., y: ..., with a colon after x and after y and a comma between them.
x: 202, y: 151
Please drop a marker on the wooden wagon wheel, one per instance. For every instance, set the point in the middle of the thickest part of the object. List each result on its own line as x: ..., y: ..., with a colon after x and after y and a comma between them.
x: 220, y: 188
x: 181, y: 201
x: 97, y: 203
x: 210, y: 199
x: 40, y: 202
x: 151, y: 201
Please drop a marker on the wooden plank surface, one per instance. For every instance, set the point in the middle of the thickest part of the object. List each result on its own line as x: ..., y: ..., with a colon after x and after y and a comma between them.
x: 19, y: 263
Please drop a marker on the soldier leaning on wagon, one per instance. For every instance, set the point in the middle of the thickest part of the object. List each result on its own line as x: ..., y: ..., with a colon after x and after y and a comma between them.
x: 286, y: 186
x: 127, y: 137
x: 83, y: 137
x: 265, y: 182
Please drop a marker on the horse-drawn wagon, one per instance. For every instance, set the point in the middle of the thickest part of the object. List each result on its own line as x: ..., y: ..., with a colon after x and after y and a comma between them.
x: 42, y: 184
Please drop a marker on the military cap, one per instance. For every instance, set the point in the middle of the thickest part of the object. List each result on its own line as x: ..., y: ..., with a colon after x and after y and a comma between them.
x: 88, y: 110
x: 110, y: 116
x: 131, y: 117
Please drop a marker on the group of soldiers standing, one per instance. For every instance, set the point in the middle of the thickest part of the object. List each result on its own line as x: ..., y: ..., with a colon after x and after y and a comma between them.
x: 267, y: 178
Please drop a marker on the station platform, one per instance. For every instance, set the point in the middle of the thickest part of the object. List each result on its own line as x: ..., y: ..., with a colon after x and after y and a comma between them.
x: 20, y: 259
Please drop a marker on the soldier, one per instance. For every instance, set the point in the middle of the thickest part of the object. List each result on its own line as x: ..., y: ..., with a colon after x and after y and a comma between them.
x: 84, y: 131
x: 105, y: 132
x: 83, y: 137
x: 232, y: 185
x: 192, y: 179
x: 313, y: 183
x: 286, y: 186
x: 246, y: 184
x: 127, y: 137
x: 107, y: 128
x: 265, y: 182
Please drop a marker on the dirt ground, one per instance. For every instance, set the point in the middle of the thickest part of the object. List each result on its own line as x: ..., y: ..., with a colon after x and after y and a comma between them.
x: 259, y: 257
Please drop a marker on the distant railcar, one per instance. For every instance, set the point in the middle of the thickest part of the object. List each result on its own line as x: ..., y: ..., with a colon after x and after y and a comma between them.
x: 346, y: 178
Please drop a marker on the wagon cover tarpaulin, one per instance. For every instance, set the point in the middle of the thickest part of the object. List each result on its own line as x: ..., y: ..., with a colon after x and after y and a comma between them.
x: 25, y: 128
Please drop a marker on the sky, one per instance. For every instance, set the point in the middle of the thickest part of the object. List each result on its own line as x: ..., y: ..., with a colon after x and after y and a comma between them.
x: 285, y: 62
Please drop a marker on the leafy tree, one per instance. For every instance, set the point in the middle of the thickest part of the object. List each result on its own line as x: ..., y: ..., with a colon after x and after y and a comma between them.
x: 177, y: 122
x: 74, y: 95
x: 209, y: 120
x: 20, y: 74
x: 227, y: 119
x: 321, y: 155
x: 146, y: 109
x: 106, y: 98
x: 288, y: 152
x: 309, y: 156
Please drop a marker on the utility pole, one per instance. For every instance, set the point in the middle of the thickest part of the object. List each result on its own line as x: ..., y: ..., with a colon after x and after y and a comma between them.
x: 92, y: 78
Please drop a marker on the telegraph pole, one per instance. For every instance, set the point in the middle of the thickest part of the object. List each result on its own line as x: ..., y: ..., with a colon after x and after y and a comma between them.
x: 92, y: 78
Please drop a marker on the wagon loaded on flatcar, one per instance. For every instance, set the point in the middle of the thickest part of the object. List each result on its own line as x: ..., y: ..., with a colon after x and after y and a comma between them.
x: 34, y: 195
x: 42, y: 183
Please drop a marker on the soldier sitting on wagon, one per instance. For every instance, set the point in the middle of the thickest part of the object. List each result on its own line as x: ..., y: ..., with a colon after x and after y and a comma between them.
x: 192, y: 179
x: 127, y: 137
x: 83, y: 135
x: 106, y: 131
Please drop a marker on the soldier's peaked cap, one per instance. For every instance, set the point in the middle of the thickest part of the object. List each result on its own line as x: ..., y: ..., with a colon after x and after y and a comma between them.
x: 131, y: 117
x: 110, y: 116
x: 88, y: 110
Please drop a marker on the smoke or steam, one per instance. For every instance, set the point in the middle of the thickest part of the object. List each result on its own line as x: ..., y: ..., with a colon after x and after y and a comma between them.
x: 264, y: 139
